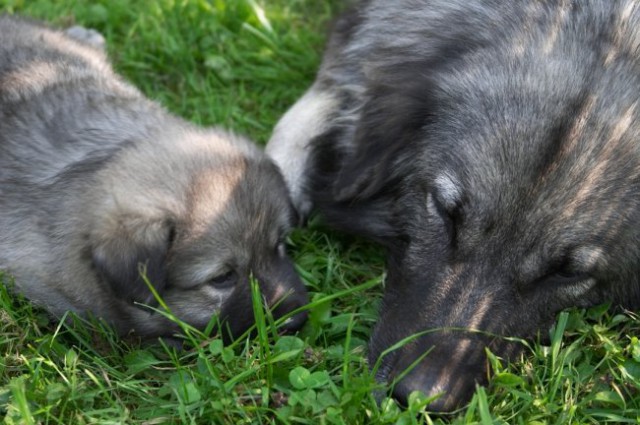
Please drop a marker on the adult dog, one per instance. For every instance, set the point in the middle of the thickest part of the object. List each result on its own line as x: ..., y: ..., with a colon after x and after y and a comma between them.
x: 493, y: 148
x: 98, y: 183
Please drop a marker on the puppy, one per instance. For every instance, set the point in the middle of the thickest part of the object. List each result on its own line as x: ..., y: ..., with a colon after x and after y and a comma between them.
x: 102, y: 192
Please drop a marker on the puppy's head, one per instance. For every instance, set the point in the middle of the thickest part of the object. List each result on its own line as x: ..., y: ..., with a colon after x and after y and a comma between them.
x: 199, y: 226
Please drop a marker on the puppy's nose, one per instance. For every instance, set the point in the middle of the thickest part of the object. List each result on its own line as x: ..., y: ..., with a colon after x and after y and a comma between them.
x: 295, y: 322
x: 291, y: 303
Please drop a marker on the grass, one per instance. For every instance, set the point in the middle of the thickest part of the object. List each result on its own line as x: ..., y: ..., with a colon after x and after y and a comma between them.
x: 240, y: 64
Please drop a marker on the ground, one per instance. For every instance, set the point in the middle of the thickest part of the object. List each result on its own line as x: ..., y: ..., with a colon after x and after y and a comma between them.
x: 240, y: 64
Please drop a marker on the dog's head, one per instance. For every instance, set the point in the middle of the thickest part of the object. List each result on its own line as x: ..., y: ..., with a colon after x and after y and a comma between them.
x: 503, y: 195
x: 199, y: 221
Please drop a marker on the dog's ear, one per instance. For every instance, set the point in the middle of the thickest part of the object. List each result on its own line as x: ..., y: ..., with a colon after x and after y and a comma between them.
x: 133, y: 247
x: 392, y: 119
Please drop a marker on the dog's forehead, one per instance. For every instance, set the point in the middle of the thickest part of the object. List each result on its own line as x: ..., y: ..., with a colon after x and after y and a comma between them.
x: 561, y: 147
x: 242, y: 199
x: 549, y: 182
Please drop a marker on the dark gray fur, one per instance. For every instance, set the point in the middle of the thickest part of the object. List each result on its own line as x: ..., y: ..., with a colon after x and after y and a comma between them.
x: 493, y: 148
x: 98, y: 183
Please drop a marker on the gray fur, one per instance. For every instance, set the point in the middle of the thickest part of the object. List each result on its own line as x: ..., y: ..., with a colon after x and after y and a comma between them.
x: 98, y: 183
x: 493, y: 148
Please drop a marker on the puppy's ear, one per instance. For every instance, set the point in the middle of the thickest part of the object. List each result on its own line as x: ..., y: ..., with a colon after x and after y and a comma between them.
x: 134, y: 246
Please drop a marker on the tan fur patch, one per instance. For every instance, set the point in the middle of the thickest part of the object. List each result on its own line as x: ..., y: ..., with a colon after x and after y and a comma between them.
x: 605, y: 157
x: 556, y: 26
x: 30, y: 80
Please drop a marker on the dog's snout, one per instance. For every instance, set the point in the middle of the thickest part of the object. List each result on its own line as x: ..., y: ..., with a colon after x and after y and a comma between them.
x: 450, y: 390
x: 446, y: 374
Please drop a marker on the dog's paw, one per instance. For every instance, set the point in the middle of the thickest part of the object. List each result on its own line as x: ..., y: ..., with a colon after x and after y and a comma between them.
x: 87, y: 36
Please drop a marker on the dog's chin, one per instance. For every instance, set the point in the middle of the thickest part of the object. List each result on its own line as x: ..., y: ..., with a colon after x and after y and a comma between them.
x: 382, y: 378
x: 175, y: 342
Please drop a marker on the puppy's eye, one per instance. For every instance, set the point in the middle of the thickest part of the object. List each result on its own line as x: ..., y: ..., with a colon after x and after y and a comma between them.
x: 224, y: 281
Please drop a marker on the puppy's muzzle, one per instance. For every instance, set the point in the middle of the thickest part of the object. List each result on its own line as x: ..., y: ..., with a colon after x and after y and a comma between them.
x: 289, y: 304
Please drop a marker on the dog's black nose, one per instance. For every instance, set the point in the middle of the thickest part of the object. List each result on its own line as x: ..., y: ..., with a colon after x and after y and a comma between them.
x: 449, y: 379
x: 448, y: 397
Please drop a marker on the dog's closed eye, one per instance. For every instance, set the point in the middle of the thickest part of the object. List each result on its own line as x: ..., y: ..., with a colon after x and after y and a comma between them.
x: 225, y: 280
